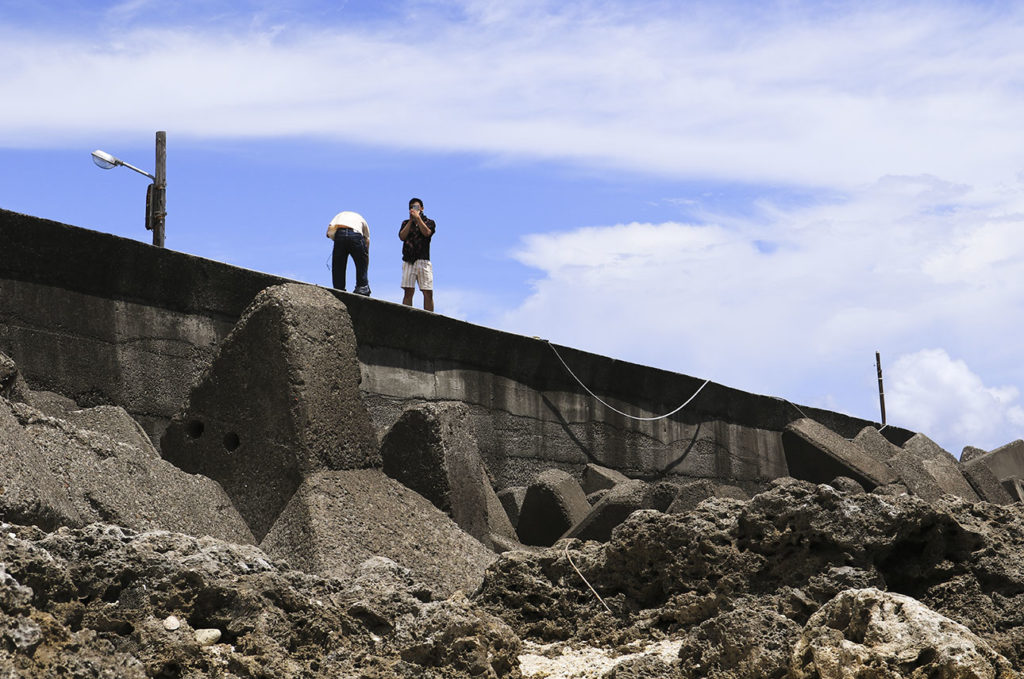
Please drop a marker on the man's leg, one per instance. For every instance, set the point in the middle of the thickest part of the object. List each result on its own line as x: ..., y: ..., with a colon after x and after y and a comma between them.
x: 339, y: 261
x: 361, y: 258
x: 425, y: 276
x: 407, y: 300
x: 428, y: 299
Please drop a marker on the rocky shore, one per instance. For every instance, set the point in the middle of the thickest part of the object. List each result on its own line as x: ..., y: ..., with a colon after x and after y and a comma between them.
x: 266, y: 539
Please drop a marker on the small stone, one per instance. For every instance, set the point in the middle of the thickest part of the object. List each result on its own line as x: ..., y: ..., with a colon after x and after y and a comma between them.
x: 207, y: 636
x: 171, y: 623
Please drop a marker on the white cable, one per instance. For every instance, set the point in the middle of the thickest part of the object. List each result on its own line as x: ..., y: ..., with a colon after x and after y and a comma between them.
x: 612, y: 408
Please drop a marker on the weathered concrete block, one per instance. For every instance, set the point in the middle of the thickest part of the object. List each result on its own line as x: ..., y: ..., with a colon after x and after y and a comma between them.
x: 911, y: 472
x: 595, y: 497
x: 1015, y: 488
x: 1006, y: 462
x: 970, y: 452
x: 872, y: 442
x: 280, y: 401
x: 554, y: 503
x: 817, y: 454
x: 98, y: 478
x: 985, y: 483
x: 943, y: 467
x: 660, y: 495
x: 339, y: 519
x: 512, y: 500
x: 32, y: 492
x: 432, y: 450
x: 615, y: 507
x: 115, y: 422
x: 692, y: 494
x: 596, y: 477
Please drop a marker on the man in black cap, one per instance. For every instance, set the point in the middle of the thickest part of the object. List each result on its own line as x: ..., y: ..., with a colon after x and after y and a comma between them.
x: 416, y: 233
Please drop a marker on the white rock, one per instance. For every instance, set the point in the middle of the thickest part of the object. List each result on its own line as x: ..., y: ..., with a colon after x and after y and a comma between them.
x: 207, y: 636
x: 171, y: 623
x: 889, y: 636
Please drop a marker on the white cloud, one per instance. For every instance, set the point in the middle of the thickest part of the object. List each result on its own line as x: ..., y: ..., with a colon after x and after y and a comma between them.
x: 783, y: 96
x: 941, y: 396
x: 888, y: 267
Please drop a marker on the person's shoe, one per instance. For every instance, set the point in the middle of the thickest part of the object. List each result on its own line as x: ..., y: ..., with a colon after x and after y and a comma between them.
x: 363, y: 290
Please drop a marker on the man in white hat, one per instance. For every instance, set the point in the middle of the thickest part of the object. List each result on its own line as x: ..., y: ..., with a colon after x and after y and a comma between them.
x: 351, y: 236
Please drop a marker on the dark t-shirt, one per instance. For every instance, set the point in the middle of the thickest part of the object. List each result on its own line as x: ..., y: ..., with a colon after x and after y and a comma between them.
x: 416, y: 245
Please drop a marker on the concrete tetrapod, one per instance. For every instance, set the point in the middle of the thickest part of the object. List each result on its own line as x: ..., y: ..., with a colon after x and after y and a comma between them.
x: 817, y: 454
x: 554, y: 503
x: 432, y: 450
x: 279, y: 401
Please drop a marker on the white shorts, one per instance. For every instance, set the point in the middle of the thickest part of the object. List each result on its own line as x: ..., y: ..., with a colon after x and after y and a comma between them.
x: 419, y: 272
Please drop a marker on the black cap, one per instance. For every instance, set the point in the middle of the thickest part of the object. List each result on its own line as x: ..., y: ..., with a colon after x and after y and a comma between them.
x: 415, y: 200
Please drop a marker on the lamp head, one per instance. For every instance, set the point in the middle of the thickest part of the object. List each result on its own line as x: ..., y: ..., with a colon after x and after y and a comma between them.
x: 104, y: 160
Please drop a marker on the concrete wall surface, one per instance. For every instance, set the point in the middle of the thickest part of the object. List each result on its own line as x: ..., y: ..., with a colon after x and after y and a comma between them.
x: 104, y: 319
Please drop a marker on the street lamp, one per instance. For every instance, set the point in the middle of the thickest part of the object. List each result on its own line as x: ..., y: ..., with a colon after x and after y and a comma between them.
x: 156, y: 193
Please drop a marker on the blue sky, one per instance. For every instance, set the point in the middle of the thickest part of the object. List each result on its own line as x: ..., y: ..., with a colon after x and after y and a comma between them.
x: 758, y: 193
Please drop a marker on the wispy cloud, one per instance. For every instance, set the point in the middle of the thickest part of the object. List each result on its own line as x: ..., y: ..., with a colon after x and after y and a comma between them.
x: 798, y: 98
x: 901, y: 265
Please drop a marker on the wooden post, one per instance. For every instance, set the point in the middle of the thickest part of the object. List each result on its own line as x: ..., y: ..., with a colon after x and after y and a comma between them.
x: 160, y: 189
x: 881, y: 392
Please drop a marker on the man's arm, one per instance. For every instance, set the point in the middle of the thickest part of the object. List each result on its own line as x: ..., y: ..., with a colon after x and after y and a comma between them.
x: 403, y: 233
x: 423, y: 227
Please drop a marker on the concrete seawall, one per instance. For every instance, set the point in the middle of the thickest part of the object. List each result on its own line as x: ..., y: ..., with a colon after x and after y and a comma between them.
x: 104, y: 319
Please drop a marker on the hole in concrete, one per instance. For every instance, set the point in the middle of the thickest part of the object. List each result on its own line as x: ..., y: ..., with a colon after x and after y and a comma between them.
x: 231, y: 441
x: 194, y: 428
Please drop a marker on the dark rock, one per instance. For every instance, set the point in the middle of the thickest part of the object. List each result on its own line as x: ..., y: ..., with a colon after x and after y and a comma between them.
x: 750, y: 642
x: 338, y: 519
x: 985, y: 483
x: 817, y: 454
x: 432, y: 450
x: 596, y: 477
x: 643, y: 667
x: 512, y: 500
x: 280, y: 401
x: 554, y: 503
x: 942, y: 466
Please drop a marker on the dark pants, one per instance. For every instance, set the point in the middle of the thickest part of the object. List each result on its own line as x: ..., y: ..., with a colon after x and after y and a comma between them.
x: 348, y: 242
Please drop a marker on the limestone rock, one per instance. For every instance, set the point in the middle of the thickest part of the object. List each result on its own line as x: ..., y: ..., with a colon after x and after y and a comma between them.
x: 432, y: 450
x: 554, y: 503
x: 339, y: 519
x: 94, y: 602
x: 12, y: 385
x: 890, y: 636
x: 749, y: 642
x: 817, y: 454
x: 280, y: 401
